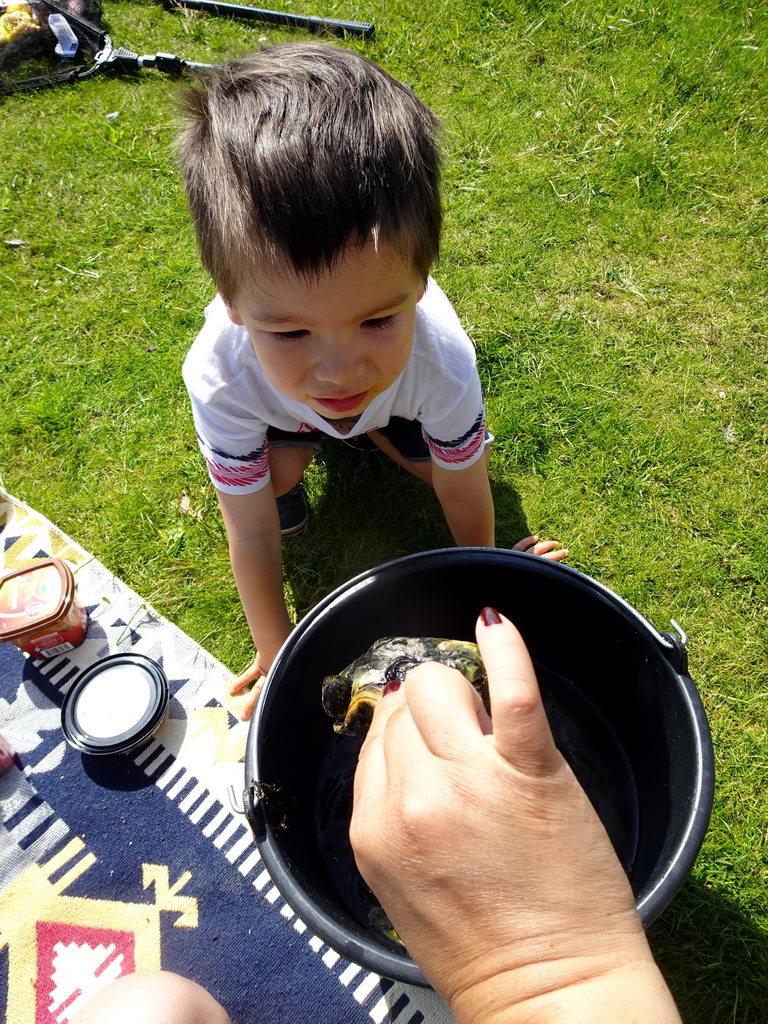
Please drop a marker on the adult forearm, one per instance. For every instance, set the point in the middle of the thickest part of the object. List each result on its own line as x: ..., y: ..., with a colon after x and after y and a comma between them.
x: 634, y: 993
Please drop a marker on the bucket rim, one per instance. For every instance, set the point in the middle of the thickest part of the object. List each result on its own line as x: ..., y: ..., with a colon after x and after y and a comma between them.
x: 541, y: 566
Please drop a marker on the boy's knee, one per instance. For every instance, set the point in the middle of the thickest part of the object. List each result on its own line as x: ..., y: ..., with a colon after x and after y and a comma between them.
x: 286, y: 467
x: 423, y: 470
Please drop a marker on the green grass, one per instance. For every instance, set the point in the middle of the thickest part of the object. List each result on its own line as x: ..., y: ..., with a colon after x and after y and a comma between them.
x: 606, y: 195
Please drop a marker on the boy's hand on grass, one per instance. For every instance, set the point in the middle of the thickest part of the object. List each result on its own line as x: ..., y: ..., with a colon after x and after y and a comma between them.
x: 546, y: 548
x: 251, y: 680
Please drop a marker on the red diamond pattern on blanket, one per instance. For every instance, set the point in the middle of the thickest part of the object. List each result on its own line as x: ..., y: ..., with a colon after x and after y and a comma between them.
x: 73, y: 963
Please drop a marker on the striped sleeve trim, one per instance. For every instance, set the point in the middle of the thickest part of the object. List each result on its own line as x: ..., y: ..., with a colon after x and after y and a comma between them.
x: 464, y: 449
x: 236, y: 472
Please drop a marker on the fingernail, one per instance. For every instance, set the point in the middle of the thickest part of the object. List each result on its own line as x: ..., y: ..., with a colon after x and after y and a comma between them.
x: 490, y: 617
x: 392, y: 686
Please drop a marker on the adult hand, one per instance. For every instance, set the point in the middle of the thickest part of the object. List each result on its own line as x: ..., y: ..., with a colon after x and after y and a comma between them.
x: 488, y: 857
x: 546, y: 548
x: 253, y: 677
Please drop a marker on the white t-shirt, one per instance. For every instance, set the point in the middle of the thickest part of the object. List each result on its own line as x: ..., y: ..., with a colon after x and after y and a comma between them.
x: 233, y: 403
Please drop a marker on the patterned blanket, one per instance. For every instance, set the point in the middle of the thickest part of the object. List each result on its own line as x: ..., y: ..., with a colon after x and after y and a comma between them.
x: 110, y: 865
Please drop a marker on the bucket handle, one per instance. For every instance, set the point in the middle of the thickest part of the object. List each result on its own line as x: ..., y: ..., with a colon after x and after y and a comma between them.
x: 677, y: 653
x: 253, y: 808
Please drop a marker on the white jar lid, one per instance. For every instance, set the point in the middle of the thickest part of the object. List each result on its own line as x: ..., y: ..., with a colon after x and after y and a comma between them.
x: 115, y: 705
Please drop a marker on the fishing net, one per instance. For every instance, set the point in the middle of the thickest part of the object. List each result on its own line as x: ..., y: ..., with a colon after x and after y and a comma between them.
x: 33, y: 54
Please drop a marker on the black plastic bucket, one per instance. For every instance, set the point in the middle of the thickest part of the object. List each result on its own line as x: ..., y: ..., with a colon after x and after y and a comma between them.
x: 622, y: 707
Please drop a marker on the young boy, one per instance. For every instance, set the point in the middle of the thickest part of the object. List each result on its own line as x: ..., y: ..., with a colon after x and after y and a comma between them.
x: 313, y: 181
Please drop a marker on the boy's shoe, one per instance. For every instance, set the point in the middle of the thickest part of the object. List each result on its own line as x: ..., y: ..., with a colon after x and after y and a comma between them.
x: 293, y: 510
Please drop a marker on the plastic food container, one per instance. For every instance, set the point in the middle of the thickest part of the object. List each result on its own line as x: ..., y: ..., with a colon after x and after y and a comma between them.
x: 115, y: 705
x: 40, y: 611
x: 6, y: 755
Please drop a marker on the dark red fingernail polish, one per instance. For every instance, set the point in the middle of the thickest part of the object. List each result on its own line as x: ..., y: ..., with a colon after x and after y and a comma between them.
x: 392, y: 685
x: 490, y: 617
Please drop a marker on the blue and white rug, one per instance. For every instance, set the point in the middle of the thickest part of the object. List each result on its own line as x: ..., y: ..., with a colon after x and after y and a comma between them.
x: 142, y: 862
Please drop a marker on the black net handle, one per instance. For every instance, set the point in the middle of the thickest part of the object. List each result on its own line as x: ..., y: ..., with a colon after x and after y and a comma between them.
x: 308, y: 21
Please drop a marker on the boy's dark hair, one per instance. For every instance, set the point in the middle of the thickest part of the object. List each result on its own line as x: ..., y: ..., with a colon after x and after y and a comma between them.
x: 291, y: 154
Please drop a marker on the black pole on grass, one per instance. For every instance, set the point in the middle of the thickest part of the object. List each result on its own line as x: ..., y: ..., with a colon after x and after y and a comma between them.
x: 308, y: 21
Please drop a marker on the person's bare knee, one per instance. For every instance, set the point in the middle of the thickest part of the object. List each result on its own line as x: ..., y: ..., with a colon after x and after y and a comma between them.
x: 423, y: 470
x: 152, y: 997
x: 286, y: 466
